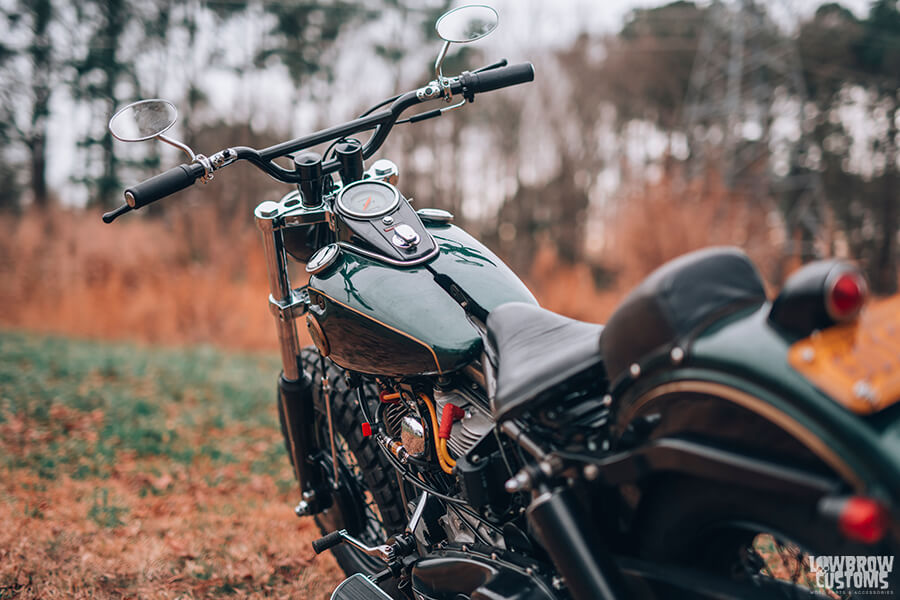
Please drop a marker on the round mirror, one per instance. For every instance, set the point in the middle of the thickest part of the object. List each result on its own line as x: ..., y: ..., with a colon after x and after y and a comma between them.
x: 467, y: 23
x: 143, y: 120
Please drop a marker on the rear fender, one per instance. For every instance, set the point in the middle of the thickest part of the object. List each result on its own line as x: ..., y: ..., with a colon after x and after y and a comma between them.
x: 733, y: 386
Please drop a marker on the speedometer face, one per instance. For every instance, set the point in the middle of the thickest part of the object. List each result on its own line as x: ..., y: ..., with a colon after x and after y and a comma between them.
x: 367, y: 199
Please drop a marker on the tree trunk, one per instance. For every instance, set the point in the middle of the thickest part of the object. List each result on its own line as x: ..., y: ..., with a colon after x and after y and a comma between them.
x: 884, y: 280
x: 41, y: 55
x: 38, y: 150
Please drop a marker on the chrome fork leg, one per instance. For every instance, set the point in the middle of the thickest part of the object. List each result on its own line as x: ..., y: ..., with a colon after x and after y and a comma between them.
x: 282, y: 302
x: 280, y: 293
x: 294, y: 393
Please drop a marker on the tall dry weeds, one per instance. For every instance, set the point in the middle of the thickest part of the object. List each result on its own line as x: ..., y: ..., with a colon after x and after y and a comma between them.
x: 195, y: 276
x: 190, y: 278
x: 653, y: 224
x: 660, y: 221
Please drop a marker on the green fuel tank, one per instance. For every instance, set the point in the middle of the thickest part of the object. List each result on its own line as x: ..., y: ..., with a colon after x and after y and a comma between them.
x: 377, y: 319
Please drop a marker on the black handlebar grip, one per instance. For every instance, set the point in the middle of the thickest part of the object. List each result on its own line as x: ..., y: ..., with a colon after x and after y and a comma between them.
x: 162, y: 185
x: 326, y: 543
x: 495, y: 79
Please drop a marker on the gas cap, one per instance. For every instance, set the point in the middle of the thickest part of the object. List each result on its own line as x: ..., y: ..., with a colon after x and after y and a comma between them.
x: 322, y: 259
x: 405, y: 236
x: 385, y: 170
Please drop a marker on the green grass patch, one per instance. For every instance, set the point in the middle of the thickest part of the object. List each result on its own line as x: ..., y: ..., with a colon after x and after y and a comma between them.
x: 74, y: 407
x: 105, y: 513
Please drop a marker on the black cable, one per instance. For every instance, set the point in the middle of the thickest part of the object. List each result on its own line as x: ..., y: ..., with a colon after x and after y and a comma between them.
x: 427, y: 488
x: 338, y: 141
x: 475, y: 515
x: 496, y: 430
x: 379, y: 105
x: 459, y: 503
x: 401, y: 470
x: 471, y: 527
x: 364, y: 406
x: 421, y: 116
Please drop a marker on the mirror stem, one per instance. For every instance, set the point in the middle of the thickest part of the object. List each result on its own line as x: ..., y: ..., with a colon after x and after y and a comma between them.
x: 439, y: 74
x: 178, y: 145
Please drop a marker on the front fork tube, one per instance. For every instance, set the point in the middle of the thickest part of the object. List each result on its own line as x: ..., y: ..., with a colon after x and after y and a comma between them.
x: 295, y: 387
x: 282, y: 300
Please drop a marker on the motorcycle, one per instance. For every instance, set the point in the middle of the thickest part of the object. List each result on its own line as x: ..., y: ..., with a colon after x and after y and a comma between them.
x: 454, y: 440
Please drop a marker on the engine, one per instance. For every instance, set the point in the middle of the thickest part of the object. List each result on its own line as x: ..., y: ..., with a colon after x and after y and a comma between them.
x: 479, y: 471
x: 402, y: 422
x: 471, y: 428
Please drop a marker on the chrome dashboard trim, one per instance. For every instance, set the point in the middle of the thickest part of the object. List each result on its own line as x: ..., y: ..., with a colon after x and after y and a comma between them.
x: 391, y: 261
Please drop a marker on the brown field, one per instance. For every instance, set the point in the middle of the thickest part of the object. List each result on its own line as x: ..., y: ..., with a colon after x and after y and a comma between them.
x: 156, y: 537
x: 132, y: 472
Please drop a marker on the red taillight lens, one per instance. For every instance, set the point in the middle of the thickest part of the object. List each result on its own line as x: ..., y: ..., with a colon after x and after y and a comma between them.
x: 845, y: 295
x: 863, y: 520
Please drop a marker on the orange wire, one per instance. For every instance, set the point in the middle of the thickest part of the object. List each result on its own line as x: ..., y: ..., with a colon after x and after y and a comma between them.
x: 440, y: 450
x: 450, y: 462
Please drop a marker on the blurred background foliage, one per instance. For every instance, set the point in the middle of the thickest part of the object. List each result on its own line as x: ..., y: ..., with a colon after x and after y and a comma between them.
x: 584, y: 180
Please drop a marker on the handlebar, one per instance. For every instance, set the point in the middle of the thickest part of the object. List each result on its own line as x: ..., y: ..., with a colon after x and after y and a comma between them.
x: 164, y: 184
x: 494, y: 79
x: 176, y: 179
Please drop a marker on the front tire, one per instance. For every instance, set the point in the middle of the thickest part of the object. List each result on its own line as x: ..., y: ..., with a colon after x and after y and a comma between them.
x: 368, y: 503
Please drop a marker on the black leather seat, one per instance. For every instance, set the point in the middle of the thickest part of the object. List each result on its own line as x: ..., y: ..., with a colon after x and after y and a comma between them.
x: 675, y: 303
x: 535, y: 350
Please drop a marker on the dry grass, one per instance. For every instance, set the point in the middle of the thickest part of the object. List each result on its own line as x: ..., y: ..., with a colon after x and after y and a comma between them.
x: 658, y: 222
x: 71, y: 539
x: 128, y: 472
x: 654, y: 224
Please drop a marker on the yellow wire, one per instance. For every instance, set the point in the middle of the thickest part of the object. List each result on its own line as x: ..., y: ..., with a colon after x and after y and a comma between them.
x: 446, y: 468
x: 450, y: 462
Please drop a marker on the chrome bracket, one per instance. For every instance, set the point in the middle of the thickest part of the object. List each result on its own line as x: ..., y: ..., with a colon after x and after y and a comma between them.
x: 429, y: 92
x: 442, y: 82
x: 331, y: 221
x: 223, y: 158
x: 290, y: 308
x: 289, y: 212
x: 417, y: 513
x: 397, y: 263
x: 207, y: 168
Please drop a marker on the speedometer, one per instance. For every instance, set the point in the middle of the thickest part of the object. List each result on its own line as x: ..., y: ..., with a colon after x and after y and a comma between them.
x: 367, y: 199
